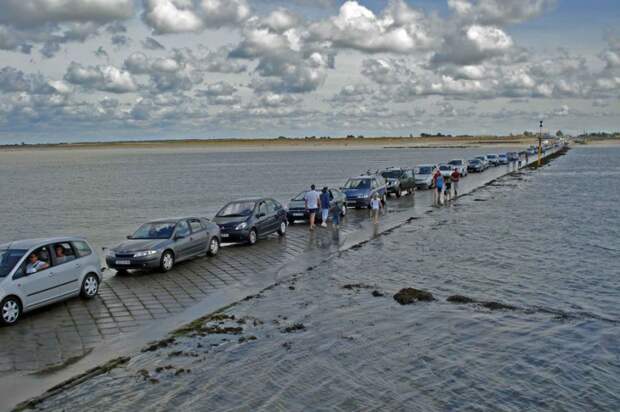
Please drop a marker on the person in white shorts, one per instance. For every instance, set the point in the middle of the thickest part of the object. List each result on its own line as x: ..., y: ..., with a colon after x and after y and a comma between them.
x: 375, y: 208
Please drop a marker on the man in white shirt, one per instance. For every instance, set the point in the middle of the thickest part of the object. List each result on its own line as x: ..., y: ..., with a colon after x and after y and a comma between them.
x: 312, y: 204
x: 34, y: 264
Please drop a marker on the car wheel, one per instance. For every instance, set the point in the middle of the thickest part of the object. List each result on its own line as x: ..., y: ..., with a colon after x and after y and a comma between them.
x: 343, y: 210
x: 291, y: 221
x: 252, y: 237
x: 166, y: 263
x: 399, y: 193
x: 90, y: 286
x: 11, y: 311
x: 282, y: 230
x: 214, y: 246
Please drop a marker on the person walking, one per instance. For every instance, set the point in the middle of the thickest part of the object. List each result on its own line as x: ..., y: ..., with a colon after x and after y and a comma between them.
x: 448, y: 185
x: 325, y: 200
x: 440, y: 188
x: 435, y: 190
x: 375, y: 207
x: 455, y: 177
x: 311, y: 199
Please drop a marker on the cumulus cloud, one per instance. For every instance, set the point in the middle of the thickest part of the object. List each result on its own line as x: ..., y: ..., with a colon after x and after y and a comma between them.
x: 499, y: 12
x: 104, y: 78
x: 472, y: 45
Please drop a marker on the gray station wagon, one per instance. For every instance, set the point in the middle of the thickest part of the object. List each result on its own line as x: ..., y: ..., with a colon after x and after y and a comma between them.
x: 38, y: 272
x: 162, y: 243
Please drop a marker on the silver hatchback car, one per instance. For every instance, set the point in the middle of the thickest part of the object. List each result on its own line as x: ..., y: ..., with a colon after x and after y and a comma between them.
x: 38, y: 272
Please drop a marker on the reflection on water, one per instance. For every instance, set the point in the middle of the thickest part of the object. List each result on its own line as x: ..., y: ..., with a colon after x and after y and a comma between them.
x: 544, y: 242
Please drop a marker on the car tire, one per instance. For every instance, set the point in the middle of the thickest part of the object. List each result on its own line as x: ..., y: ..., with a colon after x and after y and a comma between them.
x: 343, y: 210
x: 166, y: 263
x: 291, y: 222
x: 90, y: 286
x: 282, y: 229
x: 214, y: 246
x: 11, y: 309
x: 252, y: 237
x: 399, y: 193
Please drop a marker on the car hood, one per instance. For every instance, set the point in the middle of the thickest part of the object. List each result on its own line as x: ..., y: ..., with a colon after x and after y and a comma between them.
x: 228, y: 221
x: 136, y: 245
x: 356, y: 192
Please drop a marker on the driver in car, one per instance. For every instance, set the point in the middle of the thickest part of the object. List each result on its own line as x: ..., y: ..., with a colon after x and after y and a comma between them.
x: 34, y: 264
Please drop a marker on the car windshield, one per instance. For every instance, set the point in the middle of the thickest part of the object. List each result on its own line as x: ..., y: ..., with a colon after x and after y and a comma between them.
x: 474, y: 161
x: 445, y: 167
x: 8, y: 260
x: 502, y: 156
x: 424, y: 170
x: 237, y: 209
x: 392, y: 174
x: 301, y: 196
x: 491, y: 156
x: 456, y: 162
x: 155, y: 230
x: 357, y: 184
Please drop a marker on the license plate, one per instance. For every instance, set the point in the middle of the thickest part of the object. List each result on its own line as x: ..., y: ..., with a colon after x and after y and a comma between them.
x: 298, y: 214
x: 123, y: 262
x: 224, y: 235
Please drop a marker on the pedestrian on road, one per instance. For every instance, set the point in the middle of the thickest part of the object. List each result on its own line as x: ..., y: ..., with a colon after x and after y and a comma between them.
x: 448, y: 184
x: 440, y: 188
x: 455, y: 177
x: 324, y: 206
x: 312, y: 204
x: 375, y: 207
x: 436, y: 191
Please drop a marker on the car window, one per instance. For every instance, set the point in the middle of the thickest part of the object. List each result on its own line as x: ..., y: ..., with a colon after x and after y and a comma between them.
x: 270, y: 206
x: 195, y: 225
x: 182, y: 228
x: 262, y: 208
x: 62, y: 253
x: 82, y: 248
x: 37, y: 261
x: 8, y: 259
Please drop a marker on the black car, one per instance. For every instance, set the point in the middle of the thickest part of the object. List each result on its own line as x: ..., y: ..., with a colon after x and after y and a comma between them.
x: 475, y: 166
x: 399, y: 180
x: 160, y: 244
x: 246, y: 220
x: 297, y: 206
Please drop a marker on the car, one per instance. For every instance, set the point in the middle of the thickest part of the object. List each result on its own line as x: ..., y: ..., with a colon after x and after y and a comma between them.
x: 424, y: 176
x: 460, y: 164
x: 493, y: 159
x: 359, y: 190
x: 296, y: 209
x: 512, y: 156
x: 502, y: 158
x: 475, y: 166
x: 249, y: 219
x: 485, y: 161
x: 399, y: 180
x: 38, y: 272
x: 160, y: 244
x: 445, y: 170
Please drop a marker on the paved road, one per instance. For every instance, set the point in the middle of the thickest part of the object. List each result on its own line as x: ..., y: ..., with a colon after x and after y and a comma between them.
x: 59, y: 334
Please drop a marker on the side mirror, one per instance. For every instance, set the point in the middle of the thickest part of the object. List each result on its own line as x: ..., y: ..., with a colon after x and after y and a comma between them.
x: 129, y: 237
x: 19, y: 273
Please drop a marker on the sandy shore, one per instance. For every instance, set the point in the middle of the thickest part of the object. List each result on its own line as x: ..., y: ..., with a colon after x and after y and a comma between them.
x: 289, y: 144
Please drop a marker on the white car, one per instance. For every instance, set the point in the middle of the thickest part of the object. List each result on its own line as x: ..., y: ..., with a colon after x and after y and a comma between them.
x: 445, y: 170
x: 38, y: 272
x: 424, y: 176
x: 460, y: 165
x: 493, y: 159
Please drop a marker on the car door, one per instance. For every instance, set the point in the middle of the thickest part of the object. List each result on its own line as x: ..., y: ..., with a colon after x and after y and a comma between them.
x: 274, y: 214
x: 37, y: 288
x: 198, y: 238
x: 66, y: 268
x: 262, y: 219
x: 182, y: 240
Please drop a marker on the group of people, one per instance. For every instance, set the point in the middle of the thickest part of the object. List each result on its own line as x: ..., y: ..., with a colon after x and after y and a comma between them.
x: 446, y: 187
x: 320, y: 201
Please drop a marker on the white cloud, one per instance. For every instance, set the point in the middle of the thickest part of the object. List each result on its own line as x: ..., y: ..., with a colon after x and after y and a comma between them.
x: 500, y: 11
x: 104, y: 78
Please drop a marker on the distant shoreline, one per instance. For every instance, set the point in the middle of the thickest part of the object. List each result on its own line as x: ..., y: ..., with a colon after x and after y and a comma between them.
x: 289, y: 143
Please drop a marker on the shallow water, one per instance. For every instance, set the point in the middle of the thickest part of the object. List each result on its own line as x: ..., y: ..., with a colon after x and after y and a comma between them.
x: 545, y: 242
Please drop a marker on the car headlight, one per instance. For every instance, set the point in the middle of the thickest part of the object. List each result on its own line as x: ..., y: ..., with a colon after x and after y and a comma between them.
x: 145, y: 253
x: 366, y: 196
x: 110, y: 253
x: 241, y: 226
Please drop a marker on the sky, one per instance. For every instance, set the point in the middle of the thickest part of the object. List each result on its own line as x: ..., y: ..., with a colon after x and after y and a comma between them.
x: 103, y: 70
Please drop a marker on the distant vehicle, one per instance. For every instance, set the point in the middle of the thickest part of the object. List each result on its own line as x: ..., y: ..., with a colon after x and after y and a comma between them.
x: 424, y: 176
x: 297, y: 206
x: 360, y: 189
x: 493, y: 159
x: 399, y: 180
x: 485, y: 162
x: 502, y: 158
x: 247, y: 220
x: 460, y: 164
x: 35, y: 273
x: 445, y: 170
x: 160, y: 244
x: 512, y: 156
x: 475, y: 166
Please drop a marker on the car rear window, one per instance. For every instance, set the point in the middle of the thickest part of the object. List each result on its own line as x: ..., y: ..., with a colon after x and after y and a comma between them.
x: 82, y: 248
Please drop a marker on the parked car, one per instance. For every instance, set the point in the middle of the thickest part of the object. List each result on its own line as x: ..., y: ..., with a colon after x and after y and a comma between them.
x: 475, y: 166
x: 460, y: 164
x: 512, y: 156
x: 38, y: 272
x: 485, y: 162
x: 399, y: 180
x: 360, y: 189
x: 424, y: 176
x: 502, y: 158
x: 247, y: 220
x: 160, y: 244
x: 297, y: 206
x: 493, y: 159
x: 445, y: 170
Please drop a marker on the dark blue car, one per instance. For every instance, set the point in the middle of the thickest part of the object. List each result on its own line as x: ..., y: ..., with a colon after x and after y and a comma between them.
x: 359, y: 190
